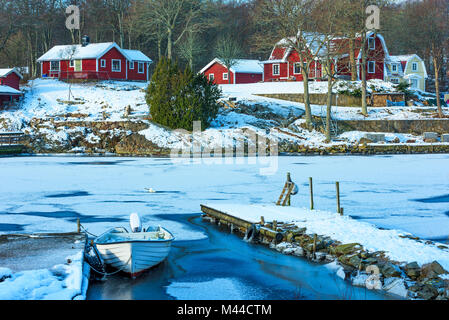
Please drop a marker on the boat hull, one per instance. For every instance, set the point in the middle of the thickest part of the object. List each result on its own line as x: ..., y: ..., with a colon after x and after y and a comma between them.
x: 134, y: 257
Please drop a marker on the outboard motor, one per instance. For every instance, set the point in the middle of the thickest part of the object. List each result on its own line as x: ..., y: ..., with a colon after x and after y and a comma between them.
x: 134, y: 222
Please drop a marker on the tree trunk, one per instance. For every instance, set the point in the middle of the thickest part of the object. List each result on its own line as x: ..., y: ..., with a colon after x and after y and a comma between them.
x: 307, y: 98
x: 437, y: 86
x: 363, y: 74
x: 329, y: 103
x: 169, y: 44
x: 353, y: 65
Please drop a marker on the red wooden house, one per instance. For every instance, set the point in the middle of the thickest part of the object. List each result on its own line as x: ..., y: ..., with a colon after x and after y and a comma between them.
x: 284, y: 63
x: 377, y: 57
x: 244, y: 71
x: 9, y: 85
x: 103, y: 61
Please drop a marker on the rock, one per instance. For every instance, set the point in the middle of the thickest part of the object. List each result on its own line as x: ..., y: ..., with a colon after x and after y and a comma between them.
x: 430, y: 136
x: 341, y: 273
x: 346, y: 249
x: 445, y: 137
x: 389, y: 270
x: 360, y: 280
x: 395, y: 140
x: 299, y: 252
x: 432, y: 270
x: 396, y: 286
x: 375, y: 137
x: 412, y: 270
x: 320, y: 256
x: 351, y: 260
x: 365, y: 141
x: 427, y: 292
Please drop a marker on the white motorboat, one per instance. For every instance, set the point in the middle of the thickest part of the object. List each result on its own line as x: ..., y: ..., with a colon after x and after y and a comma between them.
x: 136, y: 251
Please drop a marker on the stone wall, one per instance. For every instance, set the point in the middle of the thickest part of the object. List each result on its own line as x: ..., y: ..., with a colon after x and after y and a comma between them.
x: 416, y: 127
x: 318, y: 98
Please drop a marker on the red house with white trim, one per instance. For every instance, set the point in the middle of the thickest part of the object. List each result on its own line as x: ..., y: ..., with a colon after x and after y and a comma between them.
x: 9, y: 85
x: 244, y: 71
x: 377, y: 57
x: 103, y: 61
x: 284, y: 63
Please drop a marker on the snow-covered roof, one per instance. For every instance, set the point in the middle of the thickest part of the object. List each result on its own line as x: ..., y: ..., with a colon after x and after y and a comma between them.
x: 401, y: 58
x: 91, y: 51
x: 136, y: 55
x: 241, y: 66
x: 314, y: 42
x: 5, y: 72
x: 8, y: 90
x: 406, y: 58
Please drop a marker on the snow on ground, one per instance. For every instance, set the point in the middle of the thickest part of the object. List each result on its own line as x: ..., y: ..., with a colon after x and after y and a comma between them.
x: 344, y: 229
x: 50, y: 98
x: 248, y: 94
x: 230, y: 289
x: 62, y: 282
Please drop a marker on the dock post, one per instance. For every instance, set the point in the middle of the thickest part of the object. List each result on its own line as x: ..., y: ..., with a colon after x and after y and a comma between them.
x: 337, y: 185
x: 78, y: 226
x: 311, y: 193
x: 262, y: 221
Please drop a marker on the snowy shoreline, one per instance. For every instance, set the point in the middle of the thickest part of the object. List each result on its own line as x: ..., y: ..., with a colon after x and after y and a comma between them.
x: 402, y: 264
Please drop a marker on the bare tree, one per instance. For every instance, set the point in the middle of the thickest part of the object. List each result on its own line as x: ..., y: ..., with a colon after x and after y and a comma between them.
x: 228, y: 51
x: 190, y: 48
x: 432, y: 31
x: 172, y: 19
x: 330, y: 26
x: 292, y: 21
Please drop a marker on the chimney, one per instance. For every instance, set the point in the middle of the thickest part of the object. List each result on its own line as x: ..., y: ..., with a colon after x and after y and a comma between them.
x: 85, y: 41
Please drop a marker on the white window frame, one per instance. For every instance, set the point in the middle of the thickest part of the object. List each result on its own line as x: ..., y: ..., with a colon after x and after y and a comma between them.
x: 211, y: 77
x: 72, y: 63
x: 279, y: 69
x: 414, y: 66
x: 374, y: 68
x: 143, y: 67
x: 411, y: 83
x: 294, y: 68
x: 225, y: 76
x: 394, y: 67
x: 103, y: 63
x: 112, y: 65
x: 131, y: 65
x: 59, y: 66
x: 373, y: 42
x: 394, y: 80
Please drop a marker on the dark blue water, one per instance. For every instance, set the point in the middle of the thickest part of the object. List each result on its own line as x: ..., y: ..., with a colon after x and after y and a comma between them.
x: 261, y: 272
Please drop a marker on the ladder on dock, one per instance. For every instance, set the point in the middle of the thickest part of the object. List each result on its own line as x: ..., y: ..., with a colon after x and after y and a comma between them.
x: 284, y: 198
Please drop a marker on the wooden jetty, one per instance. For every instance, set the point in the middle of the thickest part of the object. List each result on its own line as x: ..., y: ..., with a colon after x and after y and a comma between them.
x: 11, y: 143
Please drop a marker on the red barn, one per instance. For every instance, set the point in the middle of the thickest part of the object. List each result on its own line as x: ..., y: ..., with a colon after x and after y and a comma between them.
x: 9, y: 85
x: 377, y: 57
x: 103, y: 61
x: 244, y: 71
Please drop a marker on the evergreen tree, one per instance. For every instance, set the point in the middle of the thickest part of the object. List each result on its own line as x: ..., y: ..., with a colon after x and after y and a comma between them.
x: 177, y: 99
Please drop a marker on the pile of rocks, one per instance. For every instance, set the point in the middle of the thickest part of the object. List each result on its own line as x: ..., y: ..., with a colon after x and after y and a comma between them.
x: 369, y: 269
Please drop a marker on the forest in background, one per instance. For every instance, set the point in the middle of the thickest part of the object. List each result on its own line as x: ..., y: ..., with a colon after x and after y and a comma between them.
x: 192, y: 31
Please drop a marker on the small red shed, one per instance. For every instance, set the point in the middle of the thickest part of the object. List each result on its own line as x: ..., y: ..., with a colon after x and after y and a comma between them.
x: 103, y: 61
x: 9, y: 85
x: 244, y: 71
